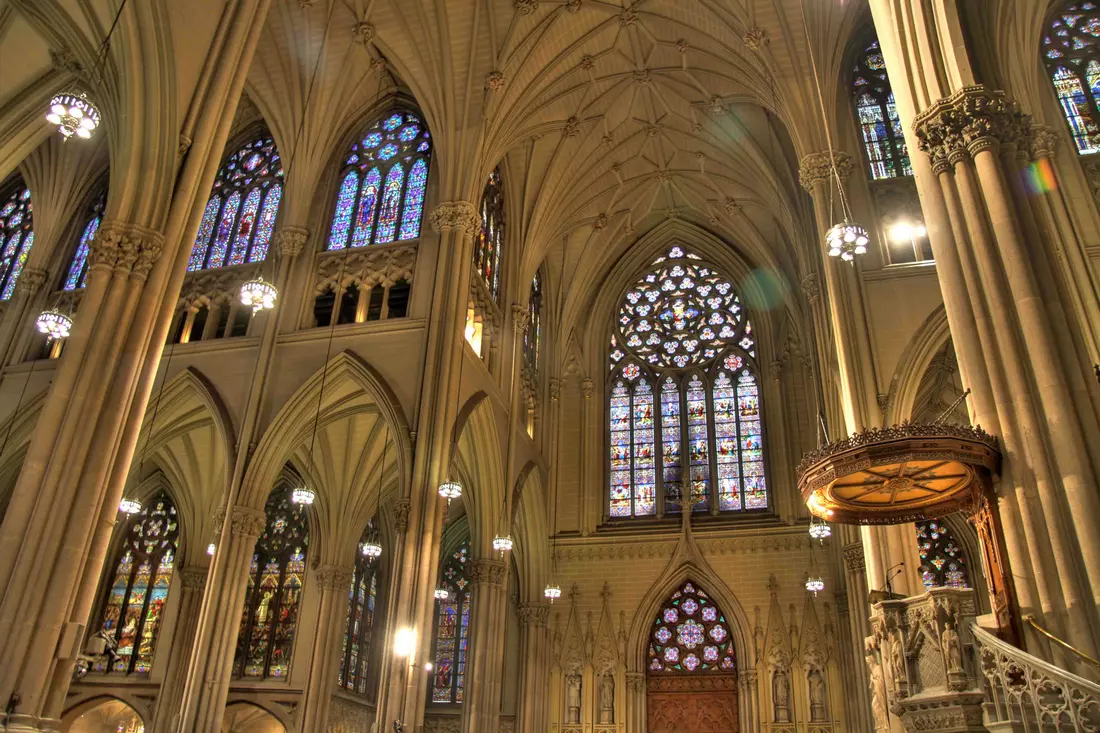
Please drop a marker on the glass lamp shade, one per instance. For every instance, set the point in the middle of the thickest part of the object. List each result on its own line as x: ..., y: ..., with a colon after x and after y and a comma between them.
x: 847, y: 240
x: 372, y: 549
x: 450, y: 490
x: 259, y: 294
x: 502, y: 543
x: 820, y: 531
x: 552, y: 592
x: 54, y: 324
x: 303, y: 496
x: 129, y: 506
x: 815, y: 585
x: 73, y: 115
x: 441, y: 594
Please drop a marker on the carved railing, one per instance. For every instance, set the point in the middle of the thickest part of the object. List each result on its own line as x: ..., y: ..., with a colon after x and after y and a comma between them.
x: 369, y: 275
x: 209, y: 305
x: 1024, y: 693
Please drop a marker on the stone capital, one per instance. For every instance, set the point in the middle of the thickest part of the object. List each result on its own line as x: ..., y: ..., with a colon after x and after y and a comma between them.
x: 587, y: 386
x: 635, y: 681
x: 194, y: 578
x: 521, y: 315
x: 31, y: 281
x: 334, y: 577
x: 1043, y: 141
x: 853, y: 557
x: 401, y: 513
x: 460, y: 216
x: 247, y: 522
x: 487, y: 571
x: 126, y: 248
x: 818, y: 168
x: 534, y: 614
x: 289, y: 241
x: 555, y: 388
x: 810, y: 288
x: 969, y: 121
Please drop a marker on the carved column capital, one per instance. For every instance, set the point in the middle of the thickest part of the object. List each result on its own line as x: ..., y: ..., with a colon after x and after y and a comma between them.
x: 126, y: 248
x: 461, y: 216
x: 969, y: 121
x: 521, y: 316
x: 818, y: 168
x: 1043, y: 141
x: 810, y: 288
x: 247, y: 522
x: 534, y: 614
x: 219, y: 520
x: 31, y: 281
x: 194, y: 578
x: 401, y: 515
x: 853, y: 557
x: 289, y: 241
x: 635, y: 681
x: 487, y: 571
x: 334, y: 577
x: 555, y: 388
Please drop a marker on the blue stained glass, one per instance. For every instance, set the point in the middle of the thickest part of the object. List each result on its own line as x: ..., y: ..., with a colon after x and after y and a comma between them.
x: 202, y: 241
x: 388, y: 151
x: 267, y: 223
x: 345, y: 201
x: 368, y: 203
x: 414, y: 200
x: 245, y: 227
x: 409, y: 134
x: 16, y: 229
x: 78, y: 275
x: 392, y: 123
x: 17, y: 268
x: 725, y: 444
x: 224, y: 231
x: 373, y: 140
x: 391, y: 203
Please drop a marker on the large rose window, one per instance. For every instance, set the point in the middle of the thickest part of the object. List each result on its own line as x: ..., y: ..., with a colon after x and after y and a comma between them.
x: 690, y: 635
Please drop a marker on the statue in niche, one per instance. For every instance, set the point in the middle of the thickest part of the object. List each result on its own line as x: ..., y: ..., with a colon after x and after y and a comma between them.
x: 781, y: 696
x: 573, y: 699
x: 816, y: 682
x: 878, y: 692
x: 952, y: 649
x: 897, y: 663
x: 607, y: 699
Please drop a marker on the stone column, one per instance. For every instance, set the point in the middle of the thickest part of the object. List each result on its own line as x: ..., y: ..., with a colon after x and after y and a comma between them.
x: 481, y: 706
x: 192, y: 583
x: 748, y: 700
x: 17, y: 318
x: 332, y: 617
x: 855, y: 580
x: 533, y: 715
x: 636, y: 702
x: 591, y: 512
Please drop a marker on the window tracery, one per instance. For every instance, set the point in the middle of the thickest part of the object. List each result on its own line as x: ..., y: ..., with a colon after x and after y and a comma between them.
x: 139, y: 588
x: 270, y: 616
x: 883, y: 138
x: 240, y: 216
x: 382, y: 185
x: 488, y: 247
x: 1071, y: 55
x: 363, y: 599
x: 77, y: 276
x: 942, y: 560
x: 16, y: 234
x: 532, y: 338
x: 452, y: 629
x: 683, y: 386
x: 690, y: 636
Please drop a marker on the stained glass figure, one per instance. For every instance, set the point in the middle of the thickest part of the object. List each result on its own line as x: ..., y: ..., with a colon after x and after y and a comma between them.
x: 532, y: 339
x: 362, y: 603
x: 16, y: 234
x: 269, y: 619
x: 139, y: 587
x: 488, y: 246
x: 77, y: 276
x: 452, y: 622
x: 690, y: 636
x: 1072, y: 57
x: 682, y: 328
x: 240, y: 216
x: 377, y: 202
x: 942, y: 560
x: 883, y: 138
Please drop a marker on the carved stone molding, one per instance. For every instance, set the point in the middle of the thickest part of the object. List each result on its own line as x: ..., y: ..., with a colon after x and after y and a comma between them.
x: 334, y: 577
x: 572, y: 127
x: 217, y: 286
x: 459, y: 216
x: 756, y: 38
x: 494, y: 82
x: 659, y: 550
x: 534, y: 614
x: 971, y: 120
x: 635, y: 681
x: 31, y: 281
x: 526, y: 7
x: 521, y: 315
x: 289, y: 241
x: 219, y: 520
x: 853, y: 557
x: 1043, y: 141
x: 587, y: 386
x: 62, y: 59
x: 194, y: 578
x: 486, y: 571
x: 555, y: 388
x: 126, y: 247
x: 401, y: 515
x: 248, y: 522
x: 363, y: 32
x: 818, y: 168
x: 365, y: 267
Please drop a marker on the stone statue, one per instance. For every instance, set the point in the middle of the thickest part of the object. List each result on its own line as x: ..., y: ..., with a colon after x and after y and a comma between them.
x: 781, y: 696
x: 607, y: 699
x: 573, y: 698
x: 952, y: 649
x: 878, y: 692
x: 816, y: 684
x: 897, y: 663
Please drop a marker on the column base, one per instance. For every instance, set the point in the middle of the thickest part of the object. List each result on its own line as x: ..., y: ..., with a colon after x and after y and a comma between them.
x: 958, y: 712
x: 20, y: 723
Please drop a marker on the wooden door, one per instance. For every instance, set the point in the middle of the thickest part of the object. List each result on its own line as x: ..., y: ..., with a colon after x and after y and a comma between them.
x: 704, y: 704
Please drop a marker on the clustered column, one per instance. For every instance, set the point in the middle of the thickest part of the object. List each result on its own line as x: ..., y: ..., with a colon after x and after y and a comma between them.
x: 537, y: 655
x: 481, y: 704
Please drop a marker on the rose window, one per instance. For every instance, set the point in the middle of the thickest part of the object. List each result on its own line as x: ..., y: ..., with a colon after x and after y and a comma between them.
x: 690, y: 635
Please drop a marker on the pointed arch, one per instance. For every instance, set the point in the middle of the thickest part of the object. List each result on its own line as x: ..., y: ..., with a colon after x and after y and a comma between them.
x: 477, y: 457
x: 98, y: 712
x: 531, y: 530
x: 929, y: 338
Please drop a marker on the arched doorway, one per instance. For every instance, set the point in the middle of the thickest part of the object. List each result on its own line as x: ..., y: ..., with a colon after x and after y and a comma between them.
x: 244, y: 717
x: 109, y: 716
x: 691, y: 668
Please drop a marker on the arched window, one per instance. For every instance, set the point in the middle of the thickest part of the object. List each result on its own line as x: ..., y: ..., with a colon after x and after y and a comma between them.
x: 240, y: 216
x: 363, y: 600
x: 270, y: 616
x: 452, y: 622
x: 532, y: 338
x: 683, y: 386
x: 1071, y: 54
x: 16, y: 234
x: 139, y: 587
x: 383, y: 183
x: 690, y: 636
x: 488, y: 246
x: 883, y: 139
x: 942, y: 560
x: 77, y: 275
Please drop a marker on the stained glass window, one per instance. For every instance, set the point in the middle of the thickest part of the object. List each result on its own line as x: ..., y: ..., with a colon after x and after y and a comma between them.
x: 691, y: 636
x: 139, y: 586
x: 942, y: 560
x: 452, y: 622
x: 682, y: 328
x: 16, y: 234
x: 270, y: 616
x: 883, y: 138
x: 532, y: 339
x: 240, y: 216
x: 1072, y: 58
x: 362, y: 604
x: 488, y: 246
x: 383, y: 183
x: 77, y: 276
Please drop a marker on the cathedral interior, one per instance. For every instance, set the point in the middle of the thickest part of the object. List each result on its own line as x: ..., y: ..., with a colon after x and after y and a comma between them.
x: 549, y: 366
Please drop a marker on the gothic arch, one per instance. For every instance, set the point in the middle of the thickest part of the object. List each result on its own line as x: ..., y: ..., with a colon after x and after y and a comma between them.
x: 530, y: 528
x: 21, y: 426
x: 477, y: 457
x: 241, y: 717
x: 89, y: 703
x: 914, y: 361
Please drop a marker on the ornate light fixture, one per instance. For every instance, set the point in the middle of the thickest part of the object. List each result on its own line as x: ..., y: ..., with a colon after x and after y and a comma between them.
x: 372, y: 549
x: 502, y: 543
x: 820, y: 530
x: 404, y: 643
x: 450, y: 490
x: 441, y: 594
x: 73, y: 115
x: 303, y: 495
x: 259, y: 294
x: 552, y: 592
x: 129, y: 506
x: 815, y: 584
x: 846, y: 240
x: 55, y: 324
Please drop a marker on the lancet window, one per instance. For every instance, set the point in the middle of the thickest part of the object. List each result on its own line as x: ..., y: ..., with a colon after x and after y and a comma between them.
x: 383, y: 183
x: 362, y: 607
x: 139, y: 587
x: 690, y: 636
x: 883, y: 139
x: 684, y: 396
x: 77, y: 275
x: 272, y: 602
x: 1072, y: 57
x: 16, y: 234
x: 532, y: 338
x: 452, y: 623
x: 489, y: 243
x: 942, y: 560
x: 240, y: 216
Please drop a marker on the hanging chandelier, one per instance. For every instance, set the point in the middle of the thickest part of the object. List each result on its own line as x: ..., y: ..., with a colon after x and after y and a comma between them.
x: 815, y: 585
x: 820, y: 530
x: 441, y: 594
x: 303, y: 495
x: 54, y: 324
x: 450, y: 490
x: 129, y: 506
x: 73, y: 115
x: 552, y: 592
x: 372, y: 548
x: 259, y: 294
x: 211, y: 549
x: 847, y: 240
x: 502, y: 543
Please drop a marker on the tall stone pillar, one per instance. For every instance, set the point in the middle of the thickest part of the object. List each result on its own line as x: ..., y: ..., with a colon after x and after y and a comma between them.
x: 481, y: 704
x: 192, y: 583
x: 534, y: 715
x: 636, y: 702
x: 591, y: 512
x: 332, y: 618
x: 855, y: 580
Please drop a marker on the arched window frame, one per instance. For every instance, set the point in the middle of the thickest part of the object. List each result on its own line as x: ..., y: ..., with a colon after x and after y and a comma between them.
x: 133, y: 603
x: 269, y: 624
x: 16, y: 233
x: 76, y: 276
x: 347, y: 225
x: 656, y: 467
x: 690, y: 636
x: 363, y: 618
x: 877, y: 116
x: 1072, y: 56
x: 239, y: 220
x: 532, y: 337
x: 490, y: 243
x: 450, y: 632
x: 943, y: 558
